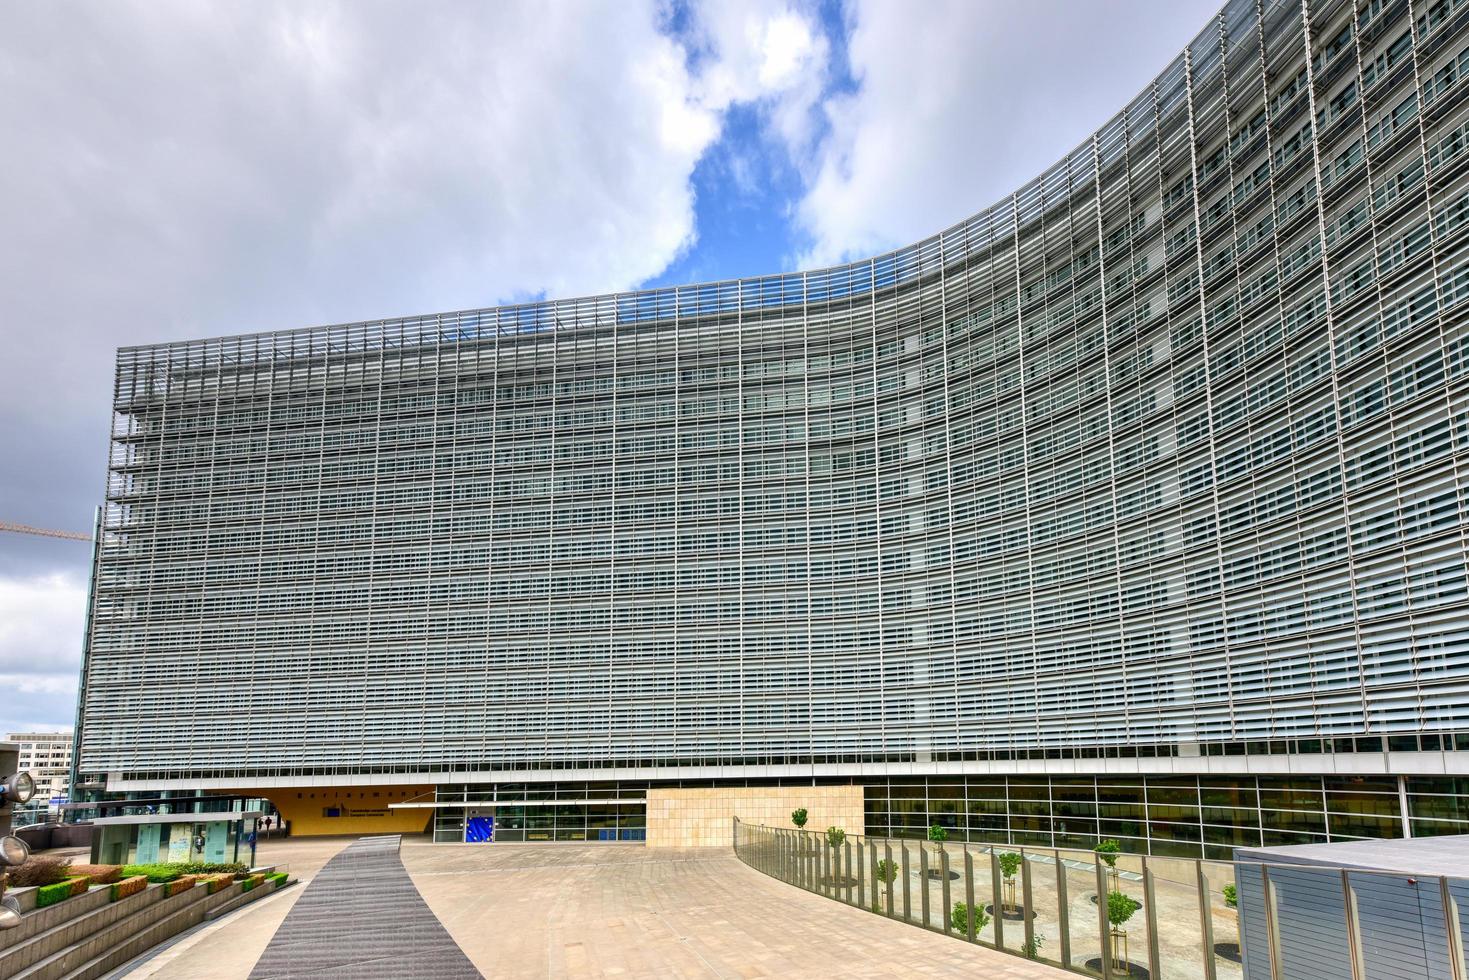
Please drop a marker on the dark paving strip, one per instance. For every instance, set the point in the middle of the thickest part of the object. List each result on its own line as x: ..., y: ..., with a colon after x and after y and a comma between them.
x: 361, y: 917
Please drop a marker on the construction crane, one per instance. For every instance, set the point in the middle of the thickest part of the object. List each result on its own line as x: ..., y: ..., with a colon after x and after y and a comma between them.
x: 44, y: 532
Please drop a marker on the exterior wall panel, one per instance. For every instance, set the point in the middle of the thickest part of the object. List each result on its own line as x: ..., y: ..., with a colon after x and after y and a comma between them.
x: 1166, y: 449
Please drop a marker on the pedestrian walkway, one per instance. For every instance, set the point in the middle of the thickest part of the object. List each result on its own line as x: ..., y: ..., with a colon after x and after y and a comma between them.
x: 625, y: 910
x: 361, y: 917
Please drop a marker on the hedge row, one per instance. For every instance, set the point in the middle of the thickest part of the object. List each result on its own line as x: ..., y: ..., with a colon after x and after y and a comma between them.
x: 60, y: 891
x: 278, y: 879
x: 128, y: 886
x: 215, y: 882
x: 169, y: 871
x: 181, y: 884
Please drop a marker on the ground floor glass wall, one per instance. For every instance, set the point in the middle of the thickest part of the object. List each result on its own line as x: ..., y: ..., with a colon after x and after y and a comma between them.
x: 1183, y: 816
x: 515, y: 812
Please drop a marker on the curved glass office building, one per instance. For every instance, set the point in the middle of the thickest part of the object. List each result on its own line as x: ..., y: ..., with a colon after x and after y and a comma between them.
x: 1153, y: 473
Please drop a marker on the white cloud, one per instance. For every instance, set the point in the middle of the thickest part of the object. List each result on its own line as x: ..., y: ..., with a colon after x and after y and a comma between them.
x: 175, y: 170
x: 959, y: 103
x: 41, y: 620
x: 771, y: 53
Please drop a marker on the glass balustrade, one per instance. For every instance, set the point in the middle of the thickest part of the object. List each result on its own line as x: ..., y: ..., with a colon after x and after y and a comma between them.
x: 1120, y: 915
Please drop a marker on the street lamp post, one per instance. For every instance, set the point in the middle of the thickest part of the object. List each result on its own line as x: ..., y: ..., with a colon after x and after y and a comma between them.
x: 18, y: 786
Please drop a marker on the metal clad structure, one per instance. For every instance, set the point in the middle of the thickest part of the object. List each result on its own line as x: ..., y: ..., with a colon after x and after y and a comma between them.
x: 1166, y: 449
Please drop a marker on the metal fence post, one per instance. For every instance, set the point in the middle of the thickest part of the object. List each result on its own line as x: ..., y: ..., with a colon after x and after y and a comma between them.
x: 998, y: 906
x: 907, y: 891
x: 1271, y: 926
x: 1028, y: 902
x: 1354, y: 928
x: 823, y: 868
x: 847, y: 871
x: 1103, y: 923
x: 888, y: 883
x: 1150, y: 905
x: 1451, y: 927
x: 923, y: 883
x: 1063, y: 911
x: 944, y: 889
x: 969, y: 893
x: 1206, y: 923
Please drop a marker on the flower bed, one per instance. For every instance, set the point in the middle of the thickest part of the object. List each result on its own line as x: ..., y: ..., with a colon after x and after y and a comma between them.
x: 128, y: 886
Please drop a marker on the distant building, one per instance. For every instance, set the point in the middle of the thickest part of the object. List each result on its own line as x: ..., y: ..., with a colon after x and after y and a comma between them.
x: 47, y: 757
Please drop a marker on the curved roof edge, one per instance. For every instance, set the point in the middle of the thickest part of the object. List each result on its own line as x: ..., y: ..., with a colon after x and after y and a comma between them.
x: 853, y: 278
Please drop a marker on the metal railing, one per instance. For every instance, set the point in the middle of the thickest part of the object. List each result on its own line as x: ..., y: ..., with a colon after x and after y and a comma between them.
x: 1127, y: 915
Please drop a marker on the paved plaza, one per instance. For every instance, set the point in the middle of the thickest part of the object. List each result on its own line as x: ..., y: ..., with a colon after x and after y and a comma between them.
x: 569, y: 910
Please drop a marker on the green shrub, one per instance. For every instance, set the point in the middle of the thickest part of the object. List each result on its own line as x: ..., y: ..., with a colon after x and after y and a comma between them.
x: 835, y: 836
x: 886, y: 871
x: 1231, y: 896
x: 247, y: 884
x: 178, y: 885
x: 127, y: 886
x: 798, y: 817
x: 168, y: 871
x: 213, y: 868
x: 278, y: 879
x: 938, y: 834
x: 1009, y: 864
x: 51, y: 894
x: 154, y: 872
x: 1108, y: 850
x: 1120, y: 908
x: 1032, y: 949
x: 101, y: 874
x: 38, y: 870
x: 961, y: 914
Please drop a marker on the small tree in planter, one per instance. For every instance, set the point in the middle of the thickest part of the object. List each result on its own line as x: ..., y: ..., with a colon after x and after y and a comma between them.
x: 937, y: 834
x: 1231, y: 896
x: 1009, y: 864
x: 961, y: 914
x: 886, y: 872
x: 1107, y: 852
x: 798, y: 817
x: 1120, y: 908
x: 835, y: 838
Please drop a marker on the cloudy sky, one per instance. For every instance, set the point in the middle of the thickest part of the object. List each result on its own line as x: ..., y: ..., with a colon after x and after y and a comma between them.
x: 178, y: 169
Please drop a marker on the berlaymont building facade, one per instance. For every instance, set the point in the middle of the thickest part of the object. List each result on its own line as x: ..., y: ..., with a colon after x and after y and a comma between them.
x: 1132, y: 506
